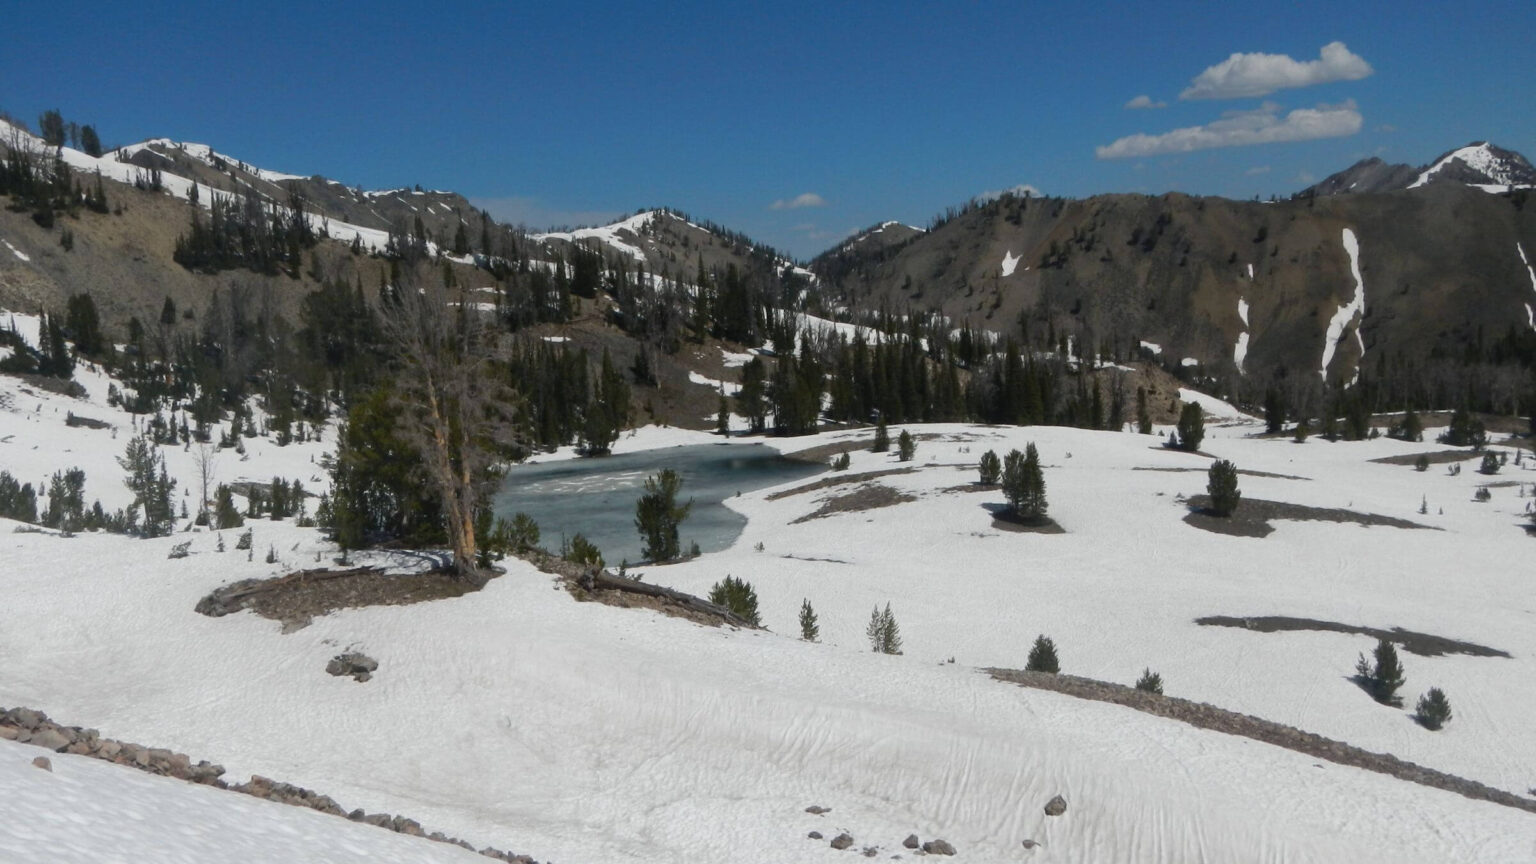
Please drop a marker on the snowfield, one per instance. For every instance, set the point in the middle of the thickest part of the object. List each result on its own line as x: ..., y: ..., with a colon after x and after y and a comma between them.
x: 580, y: 732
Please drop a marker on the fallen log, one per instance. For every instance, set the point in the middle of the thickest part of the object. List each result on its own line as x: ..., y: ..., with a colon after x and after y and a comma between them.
x: 594, y: 579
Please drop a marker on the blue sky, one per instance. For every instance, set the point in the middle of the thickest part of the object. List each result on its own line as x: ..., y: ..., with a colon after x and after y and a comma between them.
x: 842, y: 114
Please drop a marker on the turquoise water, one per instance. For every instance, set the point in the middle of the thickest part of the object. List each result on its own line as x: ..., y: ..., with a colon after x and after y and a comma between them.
x: 596, y: 497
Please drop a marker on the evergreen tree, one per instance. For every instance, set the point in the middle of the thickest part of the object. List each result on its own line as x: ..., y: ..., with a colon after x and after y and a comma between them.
x: 1024, y: 484
x: 906, y: 446
x: 723, y: 418
x: 1191, y: 427
x: 658, y: 515
x: 582, y: 551
x: 990, y: 468
x: 1143, y: 416
x: 1042, y: 657
x: 738, y: 596
x: 51, y: 128
x: 1274, y: 411
x: 883, y: 633
x: 225, y: 513
x: 1384, y: 677
x: 150, y: 484
x: 17, y: 501
x: 90, y: 142
x: 1221, y: 485
x: 1434, y: 709
x: 810, y: 630
x: 1150, y: 682
x: 882, y: 438
x: 84, y: 325
x: 750, y: 401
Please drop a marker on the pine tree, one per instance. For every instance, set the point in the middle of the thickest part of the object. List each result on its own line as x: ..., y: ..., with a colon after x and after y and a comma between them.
x: 723, y: 418
x: 810, y: 631
x: 1385, y: 677
x: 884, y: 636
x: 1143, y: 416
x: 1191, y: 427
x: 1042, y: 657
x: 906, y: 446
x: 882, y: 438
x: 1024, y: 484
x: 225, y: 514
x: 738, y: 596
x: 1434, y: 709
x: 989, y: 468
x: 1150, y: 682
x: 1221, y: 485
x: 658, y: 515
x: 1274, y: 411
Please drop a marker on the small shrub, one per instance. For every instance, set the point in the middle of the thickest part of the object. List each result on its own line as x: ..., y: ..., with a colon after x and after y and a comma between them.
x: 738, y: 596
x: 582, y: 551
x: 1434, y: 710
x: 1191, y: 427
x: 884, y: 635
x: 1483, y: 493
x: 271, y: 554
x: 841, y: 462
x: 1422, y: 463
x: 522, y: 533
x: 245, y: 541
x: 882, y: 438
x: 1302, y: 432
x: 1384, y: 677
x: 1221, y: 485
x: 1490, y: 464
x: 810, y: 630
x: 180, y: 550
x: 990, y: 468
x: 906, y: 446
x: 1150, y: 682
x: 1042, y: 657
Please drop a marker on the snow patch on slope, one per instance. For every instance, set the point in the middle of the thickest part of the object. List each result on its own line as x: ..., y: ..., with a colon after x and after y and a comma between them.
x: 1479, y: 158
x: 608, y: 234
x: 1346, y: 313
x: 1010, y: 261
x: 17, y: 252
x: 1531, y: 273
x: 1240, y: 351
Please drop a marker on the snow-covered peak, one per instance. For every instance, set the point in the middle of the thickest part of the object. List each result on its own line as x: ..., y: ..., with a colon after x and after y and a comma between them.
x: 204, y: 154
x: 1480, y: 164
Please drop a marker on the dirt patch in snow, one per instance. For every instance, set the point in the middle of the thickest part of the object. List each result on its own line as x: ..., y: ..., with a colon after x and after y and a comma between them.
x: 871, y: 496
x: 836, y: 480
x: 1422, y: 644
x: 1253, y: 517
x: 298, y: 598
x: 1204, y: 716
x: 1435, y: 458
x: 1242, y: 471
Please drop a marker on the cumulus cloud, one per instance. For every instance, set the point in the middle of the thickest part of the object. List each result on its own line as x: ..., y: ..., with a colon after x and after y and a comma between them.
x: 1242, y: 128
x: 1247, y: 75
x: 1144, y: 101
x: 805, y: 199
x: 1020, y: 190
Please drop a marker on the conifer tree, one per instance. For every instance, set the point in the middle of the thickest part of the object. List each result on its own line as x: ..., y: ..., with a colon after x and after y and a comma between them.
x: 906, y: 446
x: 658, y: 515
x: 1434, y: 709
x: 1384, y: 677
x: 739, y: 597
x: 882, y: 438
x: 1221, y: 485
x: 990, y: 468
x: 1042, y: 657
x: 1191, y: 427
x: 810, y: 630
x: 883, y: 634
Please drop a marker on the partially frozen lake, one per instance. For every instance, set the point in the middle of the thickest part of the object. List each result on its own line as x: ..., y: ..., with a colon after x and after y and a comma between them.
x: 596, y: 497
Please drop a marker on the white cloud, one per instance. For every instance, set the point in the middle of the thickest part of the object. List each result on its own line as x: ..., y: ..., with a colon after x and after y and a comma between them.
x: 1247, y: 75
x: 1257, y: 170
x: 1242, y: 128
x: 805, y: 199
x: 1145, y: 101
x: 1020, y: 190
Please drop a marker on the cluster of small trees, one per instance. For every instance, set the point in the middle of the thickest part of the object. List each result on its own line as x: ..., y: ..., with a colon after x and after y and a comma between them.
x: 1024, y: 484
x: 1382, y: 675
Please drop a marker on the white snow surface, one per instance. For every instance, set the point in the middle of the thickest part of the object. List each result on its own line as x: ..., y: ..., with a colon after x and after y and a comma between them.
x: 1532, y: 274
x: 1152, y: 346
x: 1240, y: 350
x: 569, y: 731
x: 1347, y: 313
x: 727, y: 387
x: 17, y: 252
x: 86, y: 811
x: 1477, y: 157
x: 1010, y: 261
x: 609, y: 234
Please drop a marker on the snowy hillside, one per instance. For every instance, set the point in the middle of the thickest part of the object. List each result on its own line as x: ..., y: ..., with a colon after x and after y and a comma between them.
x: 519, y: 718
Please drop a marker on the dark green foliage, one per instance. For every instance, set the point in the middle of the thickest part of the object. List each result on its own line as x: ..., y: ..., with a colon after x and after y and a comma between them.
x: 244, y: 232
x: 1483, y: 493
x: 90, y: 142
x: 795, y: 393
x: 723, y: 417
x: 1042, y: 657
x: 882, y: 438
x: 1465, y: 430
x: 883, y: 633
x: 658, y: 515
x: 375, y: 494
x: 1434, y: 709
x: 1221, y: 485
x: 906, y: 446
x: 66, y: 501
x: 841, y: 462
x: 810, y: 630
x: 1301, y: 432
x: 83, y: 325
x: 1191, y: 428
x: 150, y: 485
x: 1150, y: 682
x: 225, y: 513
x: 1024, y: 484
x: 608, y: 411
x: 582, y: 551
x: 17, y: 501
x: 1274, y: 411
x: 738, y: 596
x: 523, y: 533
x: 1421, y: 463
x: 990, y: 468
x: 51, y: 127
x: 1383, y: 678
x: 1143, y: 416
x: 1410, y: 428
x: 750, y: 399
x: 1490, y: 464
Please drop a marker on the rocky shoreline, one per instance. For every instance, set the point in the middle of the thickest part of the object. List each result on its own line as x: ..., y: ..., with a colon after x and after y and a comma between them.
x: 26, y: 726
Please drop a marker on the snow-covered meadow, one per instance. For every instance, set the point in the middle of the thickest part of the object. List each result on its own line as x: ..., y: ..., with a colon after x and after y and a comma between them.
x: 519, y: 718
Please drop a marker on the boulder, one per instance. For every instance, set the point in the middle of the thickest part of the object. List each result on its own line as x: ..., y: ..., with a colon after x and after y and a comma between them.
x: 44, y: 763
x: 817, y: 809
x: 1030, y: 844
x: 1056, y: 806
x: 911, y: 842
x: 814, y: 835
x: 938, y: 847
x: 50, y: 739
x: 842, y: 841
x: 359, y: 666
x: 26, y: 718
